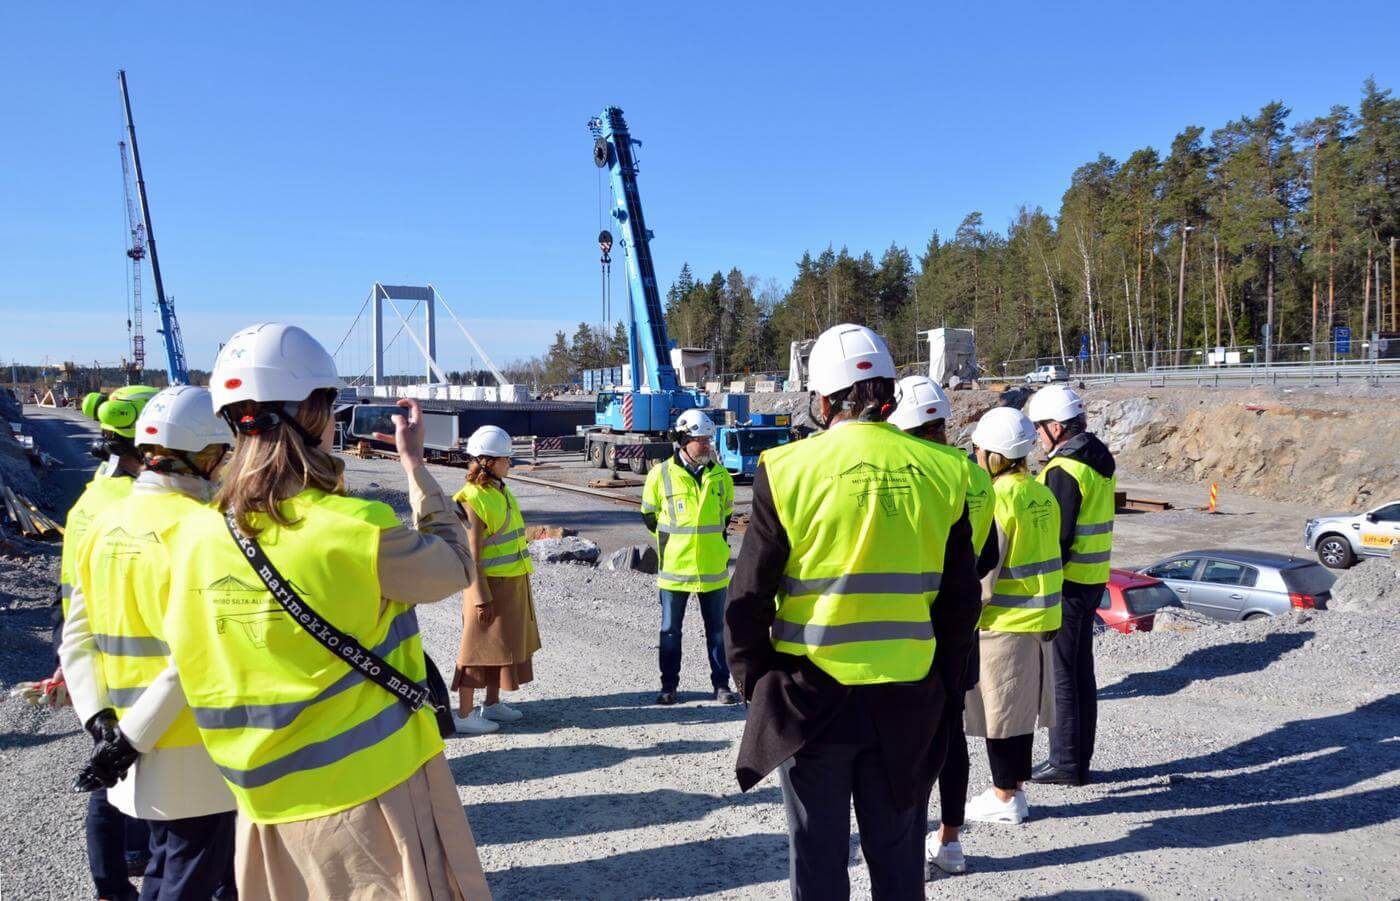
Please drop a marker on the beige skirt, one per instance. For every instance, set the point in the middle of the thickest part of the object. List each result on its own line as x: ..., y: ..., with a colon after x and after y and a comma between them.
x: 411, y: 842
x: 1015, y: 690
x: 498, y: 655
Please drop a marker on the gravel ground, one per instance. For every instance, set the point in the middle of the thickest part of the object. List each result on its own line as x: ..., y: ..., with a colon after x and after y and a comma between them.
x: 1255, y: 760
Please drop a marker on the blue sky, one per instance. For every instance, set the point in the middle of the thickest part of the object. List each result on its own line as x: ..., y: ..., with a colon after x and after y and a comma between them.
x: 296, y: 153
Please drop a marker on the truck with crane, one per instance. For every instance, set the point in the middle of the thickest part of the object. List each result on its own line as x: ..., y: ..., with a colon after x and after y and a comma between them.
x: 633, y: 424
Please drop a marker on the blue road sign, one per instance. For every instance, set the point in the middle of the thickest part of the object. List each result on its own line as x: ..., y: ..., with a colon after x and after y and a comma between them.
x: 1341, y: 335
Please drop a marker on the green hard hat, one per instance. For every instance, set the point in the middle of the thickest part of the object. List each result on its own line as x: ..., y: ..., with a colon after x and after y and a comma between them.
x: 119, y: 411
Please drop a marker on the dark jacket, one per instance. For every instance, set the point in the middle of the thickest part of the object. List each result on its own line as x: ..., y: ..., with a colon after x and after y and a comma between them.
x: 791, y: 700
x: 1089, y: 450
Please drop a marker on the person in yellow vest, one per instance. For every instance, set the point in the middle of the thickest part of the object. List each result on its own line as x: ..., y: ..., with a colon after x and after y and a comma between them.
x: 305, y: 670
x: 119, y: 672
x: 116, y: 844
x: 500, y: 634
x: 1020, y: 616
x: 855, y: 590
x: 1081, y: 476
x: 923, y: 412
x: 686, y: 504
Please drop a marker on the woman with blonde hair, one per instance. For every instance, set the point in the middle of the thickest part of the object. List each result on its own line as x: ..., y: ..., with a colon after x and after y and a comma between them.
x: 499, y: 631
x: 291, y: 620
x: 1015, y: 687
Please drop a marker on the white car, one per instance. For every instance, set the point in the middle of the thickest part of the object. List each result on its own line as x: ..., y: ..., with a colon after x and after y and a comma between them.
x: 1044, y: 375
x: 1340, y: 540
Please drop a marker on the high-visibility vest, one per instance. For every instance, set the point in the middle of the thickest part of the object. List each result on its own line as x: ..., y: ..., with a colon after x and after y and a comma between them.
x: 1093, y: 530
x: 1026, y: 596
x: 295, y: 731
x: 691, y: 516
x: 122, y: 563
x: 867, y: 511
x: 979, y: 495
x: 100, y: 493
x: 504, y: 548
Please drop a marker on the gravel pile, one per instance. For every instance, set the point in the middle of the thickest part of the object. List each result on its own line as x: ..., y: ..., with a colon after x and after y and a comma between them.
x: 1372, y: 584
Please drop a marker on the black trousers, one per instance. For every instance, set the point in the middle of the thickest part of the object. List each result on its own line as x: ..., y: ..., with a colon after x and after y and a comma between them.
x: 110, y: 834
x: 819, y: 783
x: 952, y: 779
x: 191, y: 858
x: 1076, y: 690
x: 1010, y: 760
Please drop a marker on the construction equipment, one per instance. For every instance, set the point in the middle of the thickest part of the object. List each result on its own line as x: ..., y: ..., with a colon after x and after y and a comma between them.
x: 798, y: 355
x: 136, y: 253
x: 169, y: 326
x: 632, y: 425
x: 952, y: 356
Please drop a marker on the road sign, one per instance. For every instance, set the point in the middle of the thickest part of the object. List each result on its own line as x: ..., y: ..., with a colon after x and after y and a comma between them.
x: 1084, y: 353
x: 1342, y: 336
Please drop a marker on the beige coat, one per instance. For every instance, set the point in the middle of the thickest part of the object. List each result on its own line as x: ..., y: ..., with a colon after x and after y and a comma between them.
x: 1015, y: 690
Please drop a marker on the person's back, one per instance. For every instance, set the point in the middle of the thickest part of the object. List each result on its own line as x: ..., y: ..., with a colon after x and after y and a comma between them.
x: 1024, y: 590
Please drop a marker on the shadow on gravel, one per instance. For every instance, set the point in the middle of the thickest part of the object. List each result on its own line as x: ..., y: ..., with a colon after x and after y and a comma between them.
x: 1112, y: 894
x: 1216, y: 662
x: 632, y: 708
x: 1278, y: 797
x: 520, y: 764
x: 540, y: 819
x: 674, y: 871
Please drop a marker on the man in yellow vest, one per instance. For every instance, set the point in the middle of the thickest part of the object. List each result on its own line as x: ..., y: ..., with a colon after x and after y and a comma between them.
x: 854, y: 591
x: 1080, y: 474
x: 686, y: 504
x: 117, y: 668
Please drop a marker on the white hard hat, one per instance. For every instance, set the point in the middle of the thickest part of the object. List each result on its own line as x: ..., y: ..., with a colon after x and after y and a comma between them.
x: 489, y: 441
x: 1058, y: 403
x: 1005, y: 430
x: 846, y: 354
x: 921, y: 400
x: 271, y: 362
x: 181, y: 418
x: 695, y: 424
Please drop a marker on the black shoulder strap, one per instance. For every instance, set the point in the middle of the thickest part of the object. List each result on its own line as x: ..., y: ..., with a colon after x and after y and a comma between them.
x: 359, y: 658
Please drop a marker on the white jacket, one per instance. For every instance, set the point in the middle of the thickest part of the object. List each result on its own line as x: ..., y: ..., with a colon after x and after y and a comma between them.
x: 164, y: 783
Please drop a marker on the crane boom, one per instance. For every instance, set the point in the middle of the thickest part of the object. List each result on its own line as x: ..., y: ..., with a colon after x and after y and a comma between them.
x: 137, y: 253
x: 170, y: 326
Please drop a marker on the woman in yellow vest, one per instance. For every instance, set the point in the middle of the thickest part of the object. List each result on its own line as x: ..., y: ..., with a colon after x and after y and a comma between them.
x: 334, y: 760
x: 1020, y: 615
x: 120, y: 675
x: 499, y: 630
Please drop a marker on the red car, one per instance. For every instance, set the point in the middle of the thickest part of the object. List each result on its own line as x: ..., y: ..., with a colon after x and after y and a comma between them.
x: 1130, y: 599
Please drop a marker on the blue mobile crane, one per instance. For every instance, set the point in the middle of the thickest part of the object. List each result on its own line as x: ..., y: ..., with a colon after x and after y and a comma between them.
x: 178, y: 372
x: 632, y: 426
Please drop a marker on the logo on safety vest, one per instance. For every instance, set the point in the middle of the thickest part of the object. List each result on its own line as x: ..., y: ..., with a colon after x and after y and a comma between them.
x: 1040, y: 511
x: 252, y: 626
x: 888, y: 486
x: 119, y: 544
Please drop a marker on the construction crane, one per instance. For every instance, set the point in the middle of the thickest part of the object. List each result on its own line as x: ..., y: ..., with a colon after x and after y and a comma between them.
x: 632, y: 426
x: 169, y: 325
x: 136, y: 252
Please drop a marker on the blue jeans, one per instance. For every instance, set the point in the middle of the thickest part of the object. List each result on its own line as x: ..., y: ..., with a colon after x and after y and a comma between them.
x: 672, y: 615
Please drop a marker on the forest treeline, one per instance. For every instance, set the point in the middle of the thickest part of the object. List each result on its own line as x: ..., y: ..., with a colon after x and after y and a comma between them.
x: 1259, y: 232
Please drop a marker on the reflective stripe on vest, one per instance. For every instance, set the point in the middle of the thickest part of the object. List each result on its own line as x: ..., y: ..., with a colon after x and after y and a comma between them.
x: 867, y: 511
x: 124, y: 572
x: 505, y: 551
x: 1026, y: 596
x: 691, y: 517
x: 1088, y: 562
x: 296, y: 733
x: 102, y: 492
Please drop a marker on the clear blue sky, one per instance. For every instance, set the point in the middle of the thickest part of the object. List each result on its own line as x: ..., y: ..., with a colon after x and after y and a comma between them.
x: 296, y: 153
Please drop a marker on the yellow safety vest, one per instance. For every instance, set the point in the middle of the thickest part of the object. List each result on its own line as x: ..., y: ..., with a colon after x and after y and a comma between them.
x: 867, y: 511
x: 1026, y: 596
x: 691, y: 516
x: 296, y: 732
x: 1093, y: 531
x: 979, y: 495
x: 100, y: 493
x: 121, y: 563
x: 504, y: 548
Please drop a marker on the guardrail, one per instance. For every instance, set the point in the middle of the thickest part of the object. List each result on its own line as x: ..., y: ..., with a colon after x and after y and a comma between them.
x: 1311, y: 374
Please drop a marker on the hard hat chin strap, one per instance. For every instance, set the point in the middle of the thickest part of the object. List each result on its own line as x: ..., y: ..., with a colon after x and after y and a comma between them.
x: 267, y: 419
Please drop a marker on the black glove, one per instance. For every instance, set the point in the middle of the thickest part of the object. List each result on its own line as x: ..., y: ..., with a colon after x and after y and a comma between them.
x: 108, y: 765
x: 102, y: 726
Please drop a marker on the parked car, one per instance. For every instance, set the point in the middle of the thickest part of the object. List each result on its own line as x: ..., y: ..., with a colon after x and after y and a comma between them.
x: 1130, y: 599
x: 1339, y: 540
x: 1232, y: 585
x: 1044, y: 375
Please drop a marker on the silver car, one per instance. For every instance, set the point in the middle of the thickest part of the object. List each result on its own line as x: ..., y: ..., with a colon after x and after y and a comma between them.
x: 1340, y: 540
x: 1045, y: 375
x: 1233, y: 585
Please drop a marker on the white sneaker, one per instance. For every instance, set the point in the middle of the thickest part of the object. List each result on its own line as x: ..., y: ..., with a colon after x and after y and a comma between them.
x: 474, y: 723
x: 988, y: 808
x: 948, y: 858
x: 1023, y: 805
x: 501, y: 713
